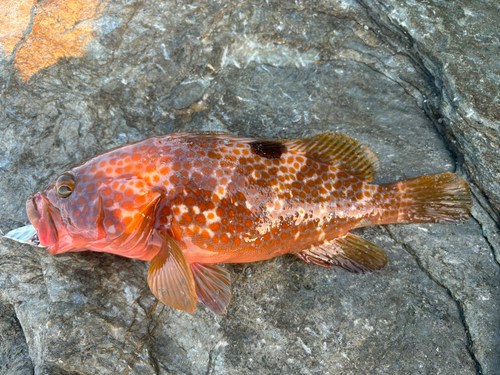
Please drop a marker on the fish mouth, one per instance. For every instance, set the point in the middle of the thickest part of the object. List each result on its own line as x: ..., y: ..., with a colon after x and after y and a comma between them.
x: 40, y: 216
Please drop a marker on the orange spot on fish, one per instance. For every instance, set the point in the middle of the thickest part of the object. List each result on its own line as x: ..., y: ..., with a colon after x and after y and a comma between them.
x: 140, y: 199
x: 128, y: 206
x: 214, y: 227
x: 189, y: 201
x: 220, y: 212
x: 187, y: 218
x: 200, y: 219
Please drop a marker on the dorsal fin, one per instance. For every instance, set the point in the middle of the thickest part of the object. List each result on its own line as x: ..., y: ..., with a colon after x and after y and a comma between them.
x: 207, y: 132
x: 341, y: 150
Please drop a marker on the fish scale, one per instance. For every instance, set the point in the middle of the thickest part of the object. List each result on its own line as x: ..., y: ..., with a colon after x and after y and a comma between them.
x: 188, y: 201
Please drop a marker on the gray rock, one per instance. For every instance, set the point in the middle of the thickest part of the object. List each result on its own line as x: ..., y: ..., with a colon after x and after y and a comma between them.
x: 456, y: 49
x: 14, y: 356
x: 415, y: 81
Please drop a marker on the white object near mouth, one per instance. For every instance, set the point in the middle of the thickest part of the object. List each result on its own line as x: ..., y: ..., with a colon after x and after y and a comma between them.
x: 25, y: 234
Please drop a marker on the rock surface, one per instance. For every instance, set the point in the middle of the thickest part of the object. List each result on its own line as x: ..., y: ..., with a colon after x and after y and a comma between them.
x: 417, y: 82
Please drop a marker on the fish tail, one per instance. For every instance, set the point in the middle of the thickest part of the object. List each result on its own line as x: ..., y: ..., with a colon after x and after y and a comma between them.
x: 439, y: 198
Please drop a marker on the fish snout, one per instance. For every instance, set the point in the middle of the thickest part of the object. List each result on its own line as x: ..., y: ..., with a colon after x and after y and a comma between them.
x: 39, y: 214
x: 34, y: 215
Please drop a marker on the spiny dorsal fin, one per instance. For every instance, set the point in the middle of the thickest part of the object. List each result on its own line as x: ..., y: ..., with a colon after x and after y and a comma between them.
x: 351, y: 252
x: 339, y: 149
x: 208, y: 132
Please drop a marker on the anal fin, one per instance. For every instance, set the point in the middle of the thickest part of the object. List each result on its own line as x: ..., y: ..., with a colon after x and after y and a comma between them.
x: 213, y: 286
x: 351, y: 252
x: 170, y: 278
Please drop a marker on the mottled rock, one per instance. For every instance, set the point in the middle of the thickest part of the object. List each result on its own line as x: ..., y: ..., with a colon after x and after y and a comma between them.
x: 415, y: 81
x: 455, y: 45
x: 14, y: 356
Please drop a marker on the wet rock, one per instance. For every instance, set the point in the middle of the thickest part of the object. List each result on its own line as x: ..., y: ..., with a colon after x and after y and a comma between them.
x: 415, y: 81
x: 455, y: 45
x: 14, y: 355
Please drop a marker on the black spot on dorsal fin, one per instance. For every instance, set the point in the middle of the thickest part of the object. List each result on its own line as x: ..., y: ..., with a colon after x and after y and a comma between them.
x: 268, y: 149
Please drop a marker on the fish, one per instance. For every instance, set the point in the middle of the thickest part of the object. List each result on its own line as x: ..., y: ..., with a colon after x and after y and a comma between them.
x: 190, y: 202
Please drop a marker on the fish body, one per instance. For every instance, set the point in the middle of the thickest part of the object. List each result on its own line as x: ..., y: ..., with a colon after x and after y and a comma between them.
x: 189, y: 201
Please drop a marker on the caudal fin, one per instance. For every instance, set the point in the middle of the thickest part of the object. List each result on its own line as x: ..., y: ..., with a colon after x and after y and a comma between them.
x: 439, y: 198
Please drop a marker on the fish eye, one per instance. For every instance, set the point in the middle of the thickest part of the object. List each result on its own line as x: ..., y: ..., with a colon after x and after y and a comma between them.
x: 65, y: 185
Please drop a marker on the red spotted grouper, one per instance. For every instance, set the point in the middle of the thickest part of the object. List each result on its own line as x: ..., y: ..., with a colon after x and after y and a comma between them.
x: 188, y: 201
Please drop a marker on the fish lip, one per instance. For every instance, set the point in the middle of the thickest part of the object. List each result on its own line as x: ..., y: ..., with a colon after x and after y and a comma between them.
x: 40, y: 215
x: 34, y: 215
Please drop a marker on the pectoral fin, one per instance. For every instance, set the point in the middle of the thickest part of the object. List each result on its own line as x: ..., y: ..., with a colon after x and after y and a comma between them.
x: 170, y: 278
x: 351, y: 252
x: 213, y: 286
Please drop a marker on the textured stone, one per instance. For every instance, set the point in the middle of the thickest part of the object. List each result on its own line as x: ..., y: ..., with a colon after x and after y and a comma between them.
x: 456, y: 46
x: 404, y: 78
x: 14, y: 356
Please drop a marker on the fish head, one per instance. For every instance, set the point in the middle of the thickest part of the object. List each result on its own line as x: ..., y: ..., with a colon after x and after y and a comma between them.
x: 89, y: 209
x: 58, y: 215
